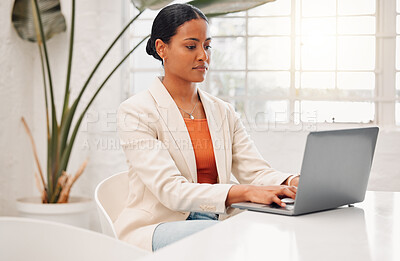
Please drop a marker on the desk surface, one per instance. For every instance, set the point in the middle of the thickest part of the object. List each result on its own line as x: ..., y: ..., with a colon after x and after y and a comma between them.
x: 369, y: 231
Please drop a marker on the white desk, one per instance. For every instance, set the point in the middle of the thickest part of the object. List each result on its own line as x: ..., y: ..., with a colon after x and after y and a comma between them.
x: 369, y: 231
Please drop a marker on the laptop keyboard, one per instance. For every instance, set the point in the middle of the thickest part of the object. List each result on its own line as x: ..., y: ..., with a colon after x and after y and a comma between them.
x: 288, y: 207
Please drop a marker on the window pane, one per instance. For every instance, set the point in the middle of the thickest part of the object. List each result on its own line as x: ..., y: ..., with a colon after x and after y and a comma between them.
x: 318, y: 26
x: 269, y: 26
x: 239, y: 106
x: 272, y: 84
x: 228, y: 26
x: 321, y: 94
x: 227, y: 84
x: 318, y: 53
x: 356, y: 84
x: 228, y: 53
x: 141, y: 59
x: 267, y: 111
x: 356, y: 80
x: 318, y: 80
x: 356, y: 53
x: 281, y: 7
x: 142, y: 28
x: 398, y: 6
x: 307, y: 93
x: 398, y: 53
x: 318, y: 8
x: 148, y: 13
x: 269, y: 53
x: 356, y: 7
x: 236, y: 14
x: 398, y: 84
x: 356, y: 25
x: 298, y: 17
x: 397, y: 113
x: 328, y: 111
x: 142, y: 80
x: 303, y: 116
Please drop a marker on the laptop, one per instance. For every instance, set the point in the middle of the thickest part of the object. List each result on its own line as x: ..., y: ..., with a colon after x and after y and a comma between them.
x: 335, y: 171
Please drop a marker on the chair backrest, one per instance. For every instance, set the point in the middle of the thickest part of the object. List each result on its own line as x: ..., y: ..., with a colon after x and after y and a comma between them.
x: 32, y: 239
x: 111, y: 195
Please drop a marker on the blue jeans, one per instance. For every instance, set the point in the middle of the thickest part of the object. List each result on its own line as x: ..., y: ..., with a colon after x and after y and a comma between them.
x: 169, y: 232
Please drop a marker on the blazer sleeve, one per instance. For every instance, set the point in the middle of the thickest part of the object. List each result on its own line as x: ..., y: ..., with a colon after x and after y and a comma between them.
x: 150, y: 160
x: 248, y: 166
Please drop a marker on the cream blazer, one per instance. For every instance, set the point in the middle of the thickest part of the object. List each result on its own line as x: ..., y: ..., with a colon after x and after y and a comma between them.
x: 162, y: 166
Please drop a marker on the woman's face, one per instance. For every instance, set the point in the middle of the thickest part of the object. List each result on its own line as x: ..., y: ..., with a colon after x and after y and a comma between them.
x: 187, y: 55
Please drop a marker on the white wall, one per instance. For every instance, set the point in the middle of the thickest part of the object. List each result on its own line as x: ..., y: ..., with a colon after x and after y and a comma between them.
x: 16, y: 91
x: 21, y: 88
x: 21, y: 94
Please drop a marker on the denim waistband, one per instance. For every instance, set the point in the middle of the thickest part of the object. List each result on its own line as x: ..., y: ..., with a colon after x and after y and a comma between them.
x: 202, y: 216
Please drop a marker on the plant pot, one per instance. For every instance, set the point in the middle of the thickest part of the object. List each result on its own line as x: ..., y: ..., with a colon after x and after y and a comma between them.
x: 77, y: 212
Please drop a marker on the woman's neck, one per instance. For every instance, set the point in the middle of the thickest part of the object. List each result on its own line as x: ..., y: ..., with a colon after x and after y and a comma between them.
x: 182, y: 91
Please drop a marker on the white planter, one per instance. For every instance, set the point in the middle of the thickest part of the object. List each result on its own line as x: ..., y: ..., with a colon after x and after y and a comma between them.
x: 77, y: 212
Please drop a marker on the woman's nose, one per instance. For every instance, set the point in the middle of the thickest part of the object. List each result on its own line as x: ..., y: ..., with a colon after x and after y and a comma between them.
x: 203, y: 56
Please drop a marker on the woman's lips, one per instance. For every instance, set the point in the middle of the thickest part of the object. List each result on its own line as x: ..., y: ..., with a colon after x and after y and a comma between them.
x: 200, y: 68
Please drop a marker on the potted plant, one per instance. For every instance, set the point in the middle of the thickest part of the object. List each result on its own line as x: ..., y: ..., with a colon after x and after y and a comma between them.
x: 37, y: 21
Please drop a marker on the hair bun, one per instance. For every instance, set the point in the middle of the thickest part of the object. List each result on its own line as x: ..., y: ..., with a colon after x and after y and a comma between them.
x: 150, y: 47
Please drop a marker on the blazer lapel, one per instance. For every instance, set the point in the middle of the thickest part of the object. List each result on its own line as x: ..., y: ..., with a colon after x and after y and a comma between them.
x: 216, y: 127
x: 171, y: 116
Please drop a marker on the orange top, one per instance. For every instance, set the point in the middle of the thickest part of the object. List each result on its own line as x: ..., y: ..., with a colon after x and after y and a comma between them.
x: 203, y: 150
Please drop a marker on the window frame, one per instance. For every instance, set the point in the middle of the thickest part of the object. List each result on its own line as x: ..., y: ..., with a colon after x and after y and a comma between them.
x: 385, y: 71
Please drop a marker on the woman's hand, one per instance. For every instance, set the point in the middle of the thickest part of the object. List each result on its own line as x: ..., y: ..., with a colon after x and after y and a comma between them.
x: 260, y: 194
x: 271, y: 194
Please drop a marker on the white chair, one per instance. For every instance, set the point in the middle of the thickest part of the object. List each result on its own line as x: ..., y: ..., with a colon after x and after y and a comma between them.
x: 111, y: 195
x: 32, y: 239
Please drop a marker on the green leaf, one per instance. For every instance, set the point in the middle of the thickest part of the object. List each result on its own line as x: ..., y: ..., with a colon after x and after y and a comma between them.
x: 70, y: 113
x: 23, y: 20
x: 150, y: 4
x: 67, y: 152
x: 69, y: 69
x: 53, y: 138
x: 220, y: 7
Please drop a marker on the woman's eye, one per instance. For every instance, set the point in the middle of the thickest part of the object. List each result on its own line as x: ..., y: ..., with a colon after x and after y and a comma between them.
x: 191, y: 47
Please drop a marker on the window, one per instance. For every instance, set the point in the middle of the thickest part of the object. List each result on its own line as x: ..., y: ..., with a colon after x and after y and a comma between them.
x: 398, y: 62
x: 298, y: 61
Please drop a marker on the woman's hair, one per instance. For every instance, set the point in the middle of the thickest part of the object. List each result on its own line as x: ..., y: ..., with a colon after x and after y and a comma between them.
x: 167, y: 22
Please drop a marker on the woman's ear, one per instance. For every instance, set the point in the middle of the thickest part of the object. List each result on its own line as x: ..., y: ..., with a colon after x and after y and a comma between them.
x: 160, y: 48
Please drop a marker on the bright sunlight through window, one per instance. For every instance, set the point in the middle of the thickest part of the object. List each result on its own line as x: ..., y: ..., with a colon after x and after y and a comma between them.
x: 292, y: 62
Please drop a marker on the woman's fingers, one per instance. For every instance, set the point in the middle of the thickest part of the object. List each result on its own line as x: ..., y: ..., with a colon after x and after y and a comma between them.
x: 293, y: 188
x: 272, y: 194
x: 289, y: 192
x: 278, y: 201
x: 286, y: 192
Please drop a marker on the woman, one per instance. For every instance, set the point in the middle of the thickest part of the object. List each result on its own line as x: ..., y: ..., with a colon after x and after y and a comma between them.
x: 182, y: 144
